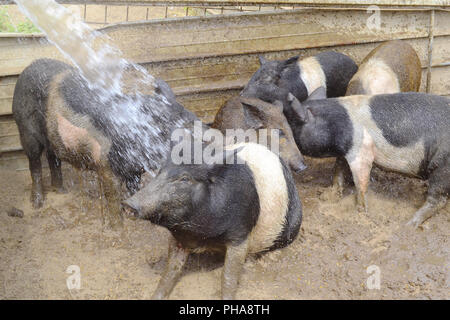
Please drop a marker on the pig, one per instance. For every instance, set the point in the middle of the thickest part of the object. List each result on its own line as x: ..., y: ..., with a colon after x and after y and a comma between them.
x: 237, y: 208
x: 407, y: 133
x: 56, y: 110
x: 391, y: 67
x: 331, y: 70
x: 247, y: 113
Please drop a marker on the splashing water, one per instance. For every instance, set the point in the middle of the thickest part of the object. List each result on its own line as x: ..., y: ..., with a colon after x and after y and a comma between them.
x: 112, y: 90
x: 103, y: 67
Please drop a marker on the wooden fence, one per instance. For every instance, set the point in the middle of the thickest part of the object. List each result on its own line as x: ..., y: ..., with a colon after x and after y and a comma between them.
x: 206, y: 60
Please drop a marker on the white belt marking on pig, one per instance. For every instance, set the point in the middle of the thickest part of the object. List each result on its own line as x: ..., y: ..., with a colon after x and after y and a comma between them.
x: 401, y: 159
x: 312, y: 74
x: 73, y: 137
x: 360, y: 157
x: 377, y: 77
x: 272, y: 192
x: 75, y: 133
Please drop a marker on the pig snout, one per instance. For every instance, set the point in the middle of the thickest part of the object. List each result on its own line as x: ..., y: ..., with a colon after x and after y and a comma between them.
x: 292, y: 156
x: 298, y: 166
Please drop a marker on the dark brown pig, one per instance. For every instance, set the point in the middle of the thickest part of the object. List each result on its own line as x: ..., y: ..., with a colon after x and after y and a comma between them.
x: 391, y: 67
x: 248, y: 113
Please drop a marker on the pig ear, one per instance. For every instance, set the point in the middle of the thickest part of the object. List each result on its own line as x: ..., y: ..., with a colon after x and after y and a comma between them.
x: 318, y: 94
x: 279, y: 105
x: 290, y: 97
x: 252, y: 116
x: 262, y: 60
x: 298, y: 108
x: 291, y: 60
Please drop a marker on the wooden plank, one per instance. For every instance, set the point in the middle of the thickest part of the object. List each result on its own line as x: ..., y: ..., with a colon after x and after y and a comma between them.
x: 10, y: 143
x: 222, y: 73
x: 409, y: 3
x: 205, y: 105
x: 255, y: 33
x: 16, y: 53
x: 194, y: 73
x: 15, y: 160
x: 5, y: 106
x: 9, y: 135
x: 202, y: 37
x: 7, y: 85
x: 441, y: 50
x: 440, y: 83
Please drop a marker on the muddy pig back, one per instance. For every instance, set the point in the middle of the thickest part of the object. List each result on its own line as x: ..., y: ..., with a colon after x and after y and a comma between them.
x: 389, y: 68
x: 39, y: 123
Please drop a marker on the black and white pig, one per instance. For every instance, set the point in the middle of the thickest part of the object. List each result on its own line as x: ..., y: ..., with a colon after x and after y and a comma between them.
x: 237, y: 208
x: 330, y: 70
x: 56, y: 110
x: 391, y: 67
x: 407, y: 133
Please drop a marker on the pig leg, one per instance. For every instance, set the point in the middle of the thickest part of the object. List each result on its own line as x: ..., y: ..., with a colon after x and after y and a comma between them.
x: 112, y: 195
x: 177, y: 258
x: 55, y: 170
x: 33, y: 149
x: 429, y: 209
x: 438, y: 191
x: 361, y: 164
x: 37, y: 190
x: 232, y: 269
x: 341, y: 171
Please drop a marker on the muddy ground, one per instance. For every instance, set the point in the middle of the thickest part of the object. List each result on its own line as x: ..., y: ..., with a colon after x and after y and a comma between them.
x: 328, y: 260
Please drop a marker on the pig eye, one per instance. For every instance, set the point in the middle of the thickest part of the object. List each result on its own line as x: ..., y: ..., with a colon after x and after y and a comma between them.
x: 184, y: 178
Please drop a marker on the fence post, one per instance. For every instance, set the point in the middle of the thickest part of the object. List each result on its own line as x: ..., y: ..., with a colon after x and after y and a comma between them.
x: 430, y: 50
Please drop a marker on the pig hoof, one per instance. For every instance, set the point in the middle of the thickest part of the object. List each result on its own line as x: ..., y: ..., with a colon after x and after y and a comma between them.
x: 337, y: 192
x: 361, y: 208
x: 37, y: 202
x: 414, y: 222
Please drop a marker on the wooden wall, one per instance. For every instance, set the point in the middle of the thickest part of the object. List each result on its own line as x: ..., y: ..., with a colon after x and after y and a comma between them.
x: 208, y: 59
